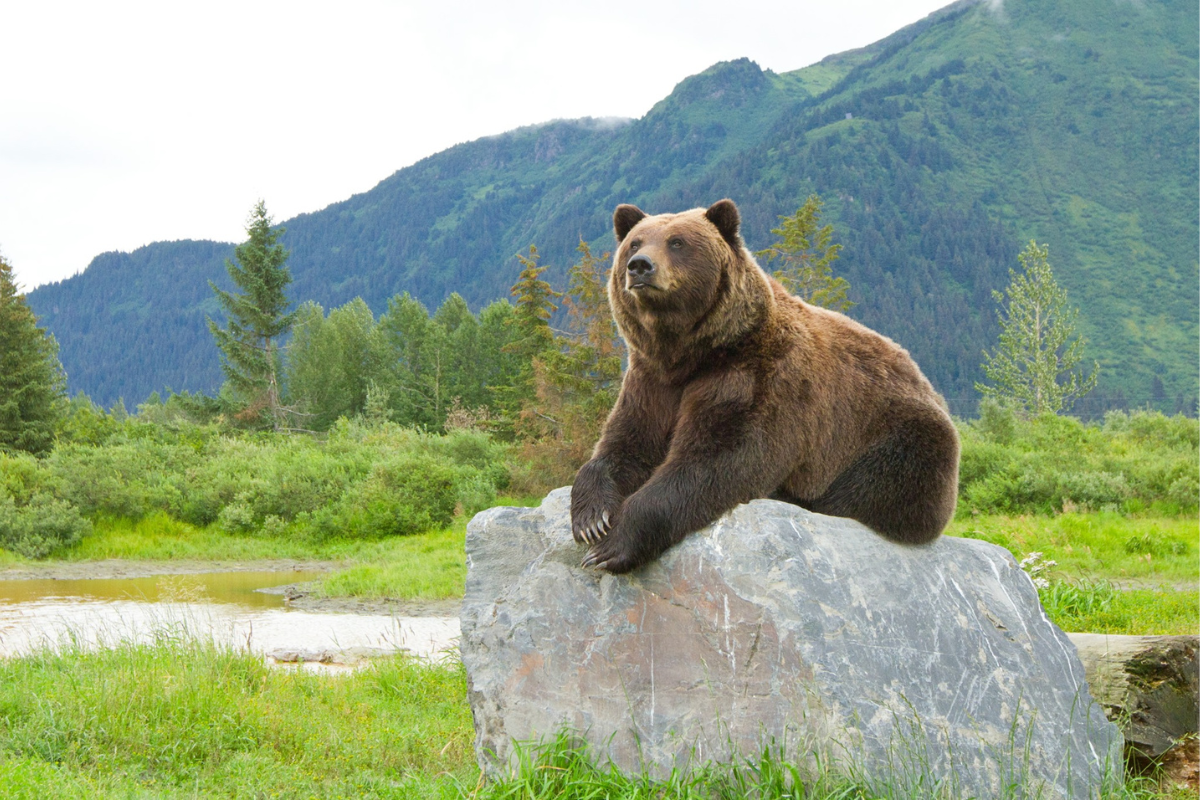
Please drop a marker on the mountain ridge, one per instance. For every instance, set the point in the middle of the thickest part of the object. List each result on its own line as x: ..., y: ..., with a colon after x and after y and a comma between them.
x: 939, y: 150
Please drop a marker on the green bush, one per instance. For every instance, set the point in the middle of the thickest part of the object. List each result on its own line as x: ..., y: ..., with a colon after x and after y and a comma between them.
x: 42, y: 526
x: 122, y: 478
x: 362, y: 481
x: 1155, y: 546
x: 22, y: 476
x: 1133, y: 461
x: 405, y: 494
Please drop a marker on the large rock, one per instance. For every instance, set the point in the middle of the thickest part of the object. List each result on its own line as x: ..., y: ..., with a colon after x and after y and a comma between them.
x: 776, y: 626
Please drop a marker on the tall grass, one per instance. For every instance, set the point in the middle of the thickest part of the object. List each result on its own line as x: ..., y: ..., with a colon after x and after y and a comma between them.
x: 429, y: 566
x: 1149, y: 549
x: 182, y: 718
x: 178, y: 718
x: 1096, y: 606
x: 562, y: 767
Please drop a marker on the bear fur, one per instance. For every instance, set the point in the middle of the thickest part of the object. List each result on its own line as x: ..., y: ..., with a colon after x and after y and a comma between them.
x: 737, y: 390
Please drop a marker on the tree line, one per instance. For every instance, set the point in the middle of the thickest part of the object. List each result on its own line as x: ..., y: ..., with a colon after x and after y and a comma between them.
x: 540, y: 368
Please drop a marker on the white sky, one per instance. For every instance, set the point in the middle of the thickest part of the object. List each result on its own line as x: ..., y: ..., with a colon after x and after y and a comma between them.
x: 124, y: 123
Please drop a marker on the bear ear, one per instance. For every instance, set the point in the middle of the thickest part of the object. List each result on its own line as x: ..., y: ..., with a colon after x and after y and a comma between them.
x: 624, y: 218
x: 724, y: 214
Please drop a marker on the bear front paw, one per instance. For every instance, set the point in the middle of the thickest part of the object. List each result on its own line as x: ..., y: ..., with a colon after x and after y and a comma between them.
x: 594, y: 505
x: 615, y: 554
x: 588, y: 529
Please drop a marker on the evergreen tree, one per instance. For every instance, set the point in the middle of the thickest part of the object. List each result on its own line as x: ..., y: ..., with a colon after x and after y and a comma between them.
x: 583, y: 372
x: 576, y: 380
x: 534, y: 305
x: 257, y: 319
x: 532, y: 338
x: 1033, y: 365
x: 806, y: 258
x: 32, y: 383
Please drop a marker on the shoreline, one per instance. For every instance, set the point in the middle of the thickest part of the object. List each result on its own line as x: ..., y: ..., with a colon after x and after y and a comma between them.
x: 299, y: 596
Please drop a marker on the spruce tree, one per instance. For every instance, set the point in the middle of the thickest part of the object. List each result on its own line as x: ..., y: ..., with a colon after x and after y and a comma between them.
x: 806, y: 256
x: 32, y: 383
x: 256, y: 320
x: 1033, y: 367
x: 577, y: 379
x: 582, y: 373
x: 533, y: 305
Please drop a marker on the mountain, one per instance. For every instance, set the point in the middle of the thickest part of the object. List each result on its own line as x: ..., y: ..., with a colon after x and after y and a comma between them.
x: 940, y: 152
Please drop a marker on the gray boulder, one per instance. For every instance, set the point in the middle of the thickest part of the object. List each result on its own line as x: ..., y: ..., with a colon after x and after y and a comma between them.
x: 919, y: 667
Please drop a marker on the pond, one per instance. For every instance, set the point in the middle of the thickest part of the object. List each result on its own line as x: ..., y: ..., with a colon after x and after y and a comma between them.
x: 229, y: 608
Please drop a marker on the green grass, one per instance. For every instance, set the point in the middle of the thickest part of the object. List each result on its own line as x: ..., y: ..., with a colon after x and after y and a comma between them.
x: 1099, y: 607
x: 429, y: 566
x: 182, y: 719
x: 1154, y: 556
x: 158, y: 537
x: 1097, y: 545
x: 561, y: 768
x: 187, y: 719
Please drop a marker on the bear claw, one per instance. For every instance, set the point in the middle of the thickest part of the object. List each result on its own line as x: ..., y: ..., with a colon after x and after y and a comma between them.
x: 593, y: 533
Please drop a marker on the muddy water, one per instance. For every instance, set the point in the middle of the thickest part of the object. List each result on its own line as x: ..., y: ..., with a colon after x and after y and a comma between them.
x: 238, y: 588
x: 227, y: 607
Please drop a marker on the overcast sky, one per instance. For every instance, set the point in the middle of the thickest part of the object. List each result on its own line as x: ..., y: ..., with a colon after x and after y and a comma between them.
x: 124, y: 123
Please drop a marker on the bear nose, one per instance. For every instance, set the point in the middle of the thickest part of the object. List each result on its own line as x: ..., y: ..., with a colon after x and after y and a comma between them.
x: 640, y: 266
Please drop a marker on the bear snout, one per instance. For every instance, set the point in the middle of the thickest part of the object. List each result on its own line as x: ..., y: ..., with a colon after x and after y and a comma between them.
x: 639, y: 272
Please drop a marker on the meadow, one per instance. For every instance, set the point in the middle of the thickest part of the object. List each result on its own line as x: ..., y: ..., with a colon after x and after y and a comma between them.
x: 1102, y: 514
x: 176, y: 718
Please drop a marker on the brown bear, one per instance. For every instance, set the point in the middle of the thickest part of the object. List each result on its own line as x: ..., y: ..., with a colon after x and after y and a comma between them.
x: 737, y: 390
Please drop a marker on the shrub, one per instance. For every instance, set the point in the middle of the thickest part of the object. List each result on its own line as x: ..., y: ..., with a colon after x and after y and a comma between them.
x: 367, y: 479
x: 236, y: 518
x: 1154, y: 546
x: 1130, y: 462
x: 1184, y: 490
x: 22, y: 476
x: 42, y: 526
x: 406, y: 494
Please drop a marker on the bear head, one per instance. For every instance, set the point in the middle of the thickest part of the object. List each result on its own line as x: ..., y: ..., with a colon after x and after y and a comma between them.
x: 681, y: 283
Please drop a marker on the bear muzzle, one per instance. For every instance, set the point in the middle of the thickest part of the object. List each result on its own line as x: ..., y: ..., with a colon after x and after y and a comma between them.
x: 640, y: 273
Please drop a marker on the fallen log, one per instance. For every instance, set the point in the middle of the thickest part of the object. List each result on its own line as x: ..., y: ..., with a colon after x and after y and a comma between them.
x: 1148, y: 686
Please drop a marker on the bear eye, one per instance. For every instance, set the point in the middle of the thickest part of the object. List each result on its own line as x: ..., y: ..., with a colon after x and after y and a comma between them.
x: 634, y: 245
x: 676, y: 243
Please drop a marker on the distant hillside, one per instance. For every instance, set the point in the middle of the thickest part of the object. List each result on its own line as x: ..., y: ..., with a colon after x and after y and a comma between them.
x: 940, y: 151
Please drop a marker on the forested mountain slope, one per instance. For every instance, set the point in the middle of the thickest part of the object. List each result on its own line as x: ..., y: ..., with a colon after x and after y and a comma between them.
x: 940, y: 151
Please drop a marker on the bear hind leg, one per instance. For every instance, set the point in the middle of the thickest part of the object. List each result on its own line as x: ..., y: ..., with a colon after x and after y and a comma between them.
x: 904, y: 487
